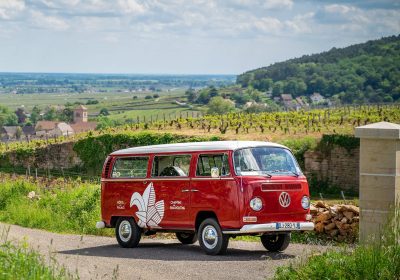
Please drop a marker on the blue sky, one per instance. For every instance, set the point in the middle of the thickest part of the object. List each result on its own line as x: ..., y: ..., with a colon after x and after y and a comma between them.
x: 181, y: 37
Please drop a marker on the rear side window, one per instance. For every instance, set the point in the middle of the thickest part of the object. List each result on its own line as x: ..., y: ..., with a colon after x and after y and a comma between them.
x: 130, y: 167
x: 207, y: 161
x: 171, y: 166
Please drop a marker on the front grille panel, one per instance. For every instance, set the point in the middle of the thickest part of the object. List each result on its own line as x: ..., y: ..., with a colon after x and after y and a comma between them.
x: 280, y: 187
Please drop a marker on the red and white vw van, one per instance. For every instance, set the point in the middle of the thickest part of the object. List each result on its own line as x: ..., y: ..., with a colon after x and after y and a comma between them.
x: 209, y: 191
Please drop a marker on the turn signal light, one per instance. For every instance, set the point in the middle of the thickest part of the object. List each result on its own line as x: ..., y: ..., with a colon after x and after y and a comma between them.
x: 250, y: 219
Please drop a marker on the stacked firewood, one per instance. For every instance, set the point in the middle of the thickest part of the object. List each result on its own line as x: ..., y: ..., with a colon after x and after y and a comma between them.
x: 339, y: 221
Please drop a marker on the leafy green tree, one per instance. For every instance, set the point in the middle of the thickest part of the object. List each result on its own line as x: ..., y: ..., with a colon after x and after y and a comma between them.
x: 277, y: 89
x: 67, y: 115
x: 35, y: 115
x: 7, y: 117
x: 218, y: 105
x: 50, y: 115
x: 104, y: 112
x: 191, y: 95
x: 212, y: 92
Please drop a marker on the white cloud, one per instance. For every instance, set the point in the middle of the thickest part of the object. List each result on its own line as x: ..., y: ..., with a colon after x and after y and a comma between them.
x: 48, y: 22
x: 278, y: 4
x: 269, y: 25
x: 341, y: 9
x: 131, y: 7
x: 301, y: 23
x: 10, y: 8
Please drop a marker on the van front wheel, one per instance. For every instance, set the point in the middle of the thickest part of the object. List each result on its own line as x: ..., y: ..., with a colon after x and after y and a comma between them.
x: 211, y: 238
x: 275, y: 242
x: 186, y: 238
x: 127, y: 232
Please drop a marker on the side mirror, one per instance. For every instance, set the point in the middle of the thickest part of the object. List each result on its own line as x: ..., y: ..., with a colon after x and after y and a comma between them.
x: 215, y: 172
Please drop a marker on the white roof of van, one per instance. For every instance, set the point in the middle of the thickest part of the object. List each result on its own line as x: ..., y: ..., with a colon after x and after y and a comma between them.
x: 195, y: 146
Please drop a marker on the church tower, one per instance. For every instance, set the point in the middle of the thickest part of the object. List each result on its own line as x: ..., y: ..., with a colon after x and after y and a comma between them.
x: 80, y: 114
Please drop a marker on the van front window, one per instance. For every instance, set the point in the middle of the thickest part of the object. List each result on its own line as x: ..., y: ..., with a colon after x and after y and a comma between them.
x: 268, y: 161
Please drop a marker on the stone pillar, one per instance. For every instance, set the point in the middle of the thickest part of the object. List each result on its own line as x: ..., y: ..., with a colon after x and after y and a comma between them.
x: 379, y: 175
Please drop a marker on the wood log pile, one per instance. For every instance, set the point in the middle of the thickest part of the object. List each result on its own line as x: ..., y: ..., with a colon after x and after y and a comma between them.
x: 338, y: 222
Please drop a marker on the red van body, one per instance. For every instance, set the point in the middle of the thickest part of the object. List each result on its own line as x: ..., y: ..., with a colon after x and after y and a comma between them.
x: 234, y: 187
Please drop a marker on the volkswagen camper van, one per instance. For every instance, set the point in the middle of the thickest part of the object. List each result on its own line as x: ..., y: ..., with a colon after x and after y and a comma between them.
x: 205, y: 191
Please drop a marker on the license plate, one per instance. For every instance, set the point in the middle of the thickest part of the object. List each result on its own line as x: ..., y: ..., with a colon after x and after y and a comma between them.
x: 287, y: 225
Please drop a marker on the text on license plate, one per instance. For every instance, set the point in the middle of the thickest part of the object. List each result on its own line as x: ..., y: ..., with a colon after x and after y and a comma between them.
x: 288, y: 225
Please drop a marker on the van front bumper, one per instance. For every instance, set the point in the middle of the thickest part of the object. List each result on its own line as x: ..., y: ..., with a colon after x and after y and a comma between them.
x: 272, y: 227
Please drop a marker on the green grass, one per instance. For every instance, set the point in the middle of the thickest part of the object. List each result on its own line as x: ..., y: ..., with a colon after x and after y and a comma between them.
x: 377, y: 259
x: 71, y: 207
x: 20, y: 262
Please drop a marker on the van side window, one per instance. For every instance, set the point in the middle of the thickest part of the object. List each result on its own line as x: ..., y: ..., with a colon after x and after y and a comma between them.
x: 174, y: 165
x: 208, y: 161
x: 130, y: 167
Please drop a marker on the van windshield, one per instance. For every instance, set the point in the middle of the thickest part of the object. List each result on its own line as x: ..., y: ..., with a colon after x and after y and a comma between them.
x: 265, y: 161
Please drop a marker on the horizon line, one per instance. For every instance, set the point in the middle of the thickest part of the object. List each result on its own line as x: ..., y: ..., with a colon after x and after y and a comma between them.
x: 116, y: 73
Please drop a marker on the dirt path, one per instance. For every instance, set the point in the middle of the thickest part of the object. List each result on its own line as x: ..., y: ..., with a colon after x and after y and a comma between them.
x: 97, y: 257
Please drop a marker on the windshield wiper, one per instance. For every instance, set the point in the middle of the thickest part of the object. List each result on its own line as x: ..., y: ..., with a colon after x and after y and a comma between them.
x: 283, y: 170
x: 252, y: 169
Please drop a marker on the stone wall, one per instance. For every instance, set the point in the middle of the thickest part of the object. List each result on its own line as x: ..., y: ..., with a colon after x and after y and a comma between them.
x: 338, y: 166
x: 55, y: 156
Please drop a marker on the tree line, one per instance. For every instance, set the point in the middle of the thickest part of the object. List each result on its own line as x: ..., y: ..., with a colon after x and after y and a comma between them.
x: 367, y: 72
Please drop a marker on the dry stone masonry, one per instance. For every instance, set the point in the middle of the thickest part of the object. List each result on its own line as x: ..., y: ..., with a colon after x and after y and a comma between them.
x: 339, y: 167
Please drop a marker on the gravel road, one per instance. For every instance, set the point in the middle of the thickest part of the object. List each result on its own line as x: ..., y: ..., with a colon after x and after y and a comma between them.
x: 95, y: 257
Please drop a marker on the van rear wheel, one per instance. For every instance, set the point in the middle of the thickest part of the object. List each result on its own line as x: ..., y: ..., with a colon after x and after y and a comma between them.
x: 186, y: 238
x: 275, y: 242
x: 127, y: 232
x: 211, y: 238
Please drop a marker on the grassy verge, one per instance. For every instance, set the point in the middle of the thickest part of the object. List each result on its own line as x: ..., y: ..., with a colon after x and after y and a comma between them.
x: 20, y: 262
x: 58, y: 206
x: 379, y: 259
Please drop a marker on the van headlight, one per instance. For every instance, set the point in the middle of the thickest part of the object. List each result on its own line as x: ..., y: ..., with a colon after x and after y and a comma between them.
x: 256, y: 204
x: 305, y: 202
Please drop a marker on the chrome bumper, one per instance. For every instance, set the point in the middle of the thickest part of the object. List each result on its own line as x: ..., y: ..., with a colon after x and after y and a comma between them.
x: 270, y: 227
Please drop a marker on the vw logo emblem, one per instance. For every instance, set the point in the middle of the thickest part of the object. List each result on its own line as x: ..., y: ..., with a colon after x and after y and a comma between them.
x: 284, y: 199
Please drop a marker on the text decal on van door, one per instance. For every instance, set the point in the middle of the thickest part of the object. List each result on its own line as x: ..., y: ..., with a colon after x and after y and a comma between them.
x: 150, y: 213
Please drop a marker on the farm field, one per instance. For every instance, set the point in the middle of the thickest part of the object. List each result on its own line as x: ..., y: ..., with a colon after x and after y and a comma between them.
x: 121, y: 106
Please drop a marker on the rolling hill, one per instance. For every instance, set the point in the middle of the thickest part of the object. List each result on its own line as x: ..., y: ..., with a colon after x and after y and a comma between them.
x: 367, y: 72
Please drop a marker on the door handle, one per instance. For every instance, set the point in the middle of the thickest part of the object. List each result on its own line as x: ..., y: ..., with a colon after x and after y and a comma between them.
x: 185, y: 190
x: 194, y: 190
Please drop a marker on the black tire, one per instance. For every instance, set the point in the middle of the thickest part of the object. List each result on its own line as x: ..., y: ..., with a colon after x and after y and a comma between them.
x: 275, y: 242
x: 186, y: 238
x: 217, y: 243
x: 127, y: 232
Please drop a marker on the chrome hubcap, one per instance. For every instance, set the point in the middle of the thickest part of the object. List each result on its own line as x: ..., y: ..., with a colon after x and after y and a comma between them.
x: 125, y: 231
x: 210, y: 237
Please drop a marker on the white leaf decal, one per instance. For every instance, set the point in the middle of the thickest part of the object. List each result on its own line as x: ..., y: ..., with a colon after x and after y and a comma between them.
x: 150, y: 213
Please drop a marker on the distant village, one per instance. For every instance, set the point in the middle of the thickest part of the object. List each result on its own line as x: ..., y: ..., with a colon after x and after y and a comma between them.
x: 301, y: 102
x: 47, y: 129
